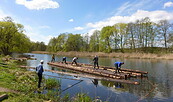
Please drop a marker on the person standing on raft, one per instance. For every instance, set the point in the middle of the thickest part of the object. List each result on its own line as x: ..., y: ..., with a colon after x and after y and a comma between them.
x: 118, y: 66
x: 74, y: 60
x: 53, y: 58
x: 96, y: 61
x: 64, y: 60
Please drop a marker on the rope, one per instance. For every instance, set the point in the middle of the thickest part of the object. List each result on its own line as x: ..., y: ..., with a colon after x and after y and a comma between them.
x: 154, y: 86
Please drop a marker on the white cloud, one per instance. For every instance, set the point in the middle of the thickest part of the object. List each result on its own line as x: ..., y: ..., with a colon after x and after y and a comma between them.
x: 38, y: 4
x: 155, y: 16
x: 35, y: 35
x: 78, y: 28
x: 168, y: 4
x: 71, y: 20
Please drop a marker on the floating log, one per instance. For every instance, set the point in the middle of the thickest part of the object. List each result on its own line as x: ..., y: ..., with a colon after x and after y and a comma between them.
x: 2, y: 97
x: 88, y: 76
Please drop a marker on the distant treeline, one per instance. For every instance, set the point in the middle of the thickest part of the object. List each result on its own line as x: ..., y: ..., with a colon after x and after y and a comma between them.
x: 141, y: 36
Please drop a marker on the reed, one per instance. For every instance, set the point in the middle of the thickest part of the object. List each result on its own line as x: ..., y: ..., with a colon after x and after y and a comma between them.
x: 166, y: 56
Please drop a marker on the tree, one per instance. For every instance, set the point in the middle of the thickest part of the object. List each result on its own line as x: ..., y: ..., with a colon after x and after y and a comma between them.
x: 74, y: 42
x: 94, y: 41
x: 164, y: 28
x: 52, y: 45
x: 121, y: 34
x: 105, y: 36
x: 85, y: 43
x: 38, y: 46
x: 61, y: 40
x: 12, y: 38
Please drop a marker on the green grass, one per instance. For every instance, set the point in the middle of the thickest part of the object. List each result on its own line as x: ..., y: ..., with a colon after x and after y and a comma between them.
x: 25, y: 83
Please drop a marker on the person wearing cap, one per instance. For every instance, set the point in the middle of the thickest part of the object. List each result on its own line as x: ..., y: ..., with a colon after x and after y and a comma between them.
x: 64, y: 60
x: 96, y: 61
x: 40, y: 71
x: 74, y: 60
x: 118, y: 66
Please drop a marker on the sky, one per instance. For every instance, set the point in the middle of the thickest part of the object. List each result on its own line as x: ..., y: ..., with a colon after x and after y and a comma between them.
x: 44, y: 19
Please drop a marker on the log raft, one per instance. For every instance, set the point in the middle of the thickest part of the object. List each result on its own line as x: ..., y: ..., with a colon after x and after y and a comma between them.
x: 90, y: 70
x: 104, y: 71
x: 123, y: 70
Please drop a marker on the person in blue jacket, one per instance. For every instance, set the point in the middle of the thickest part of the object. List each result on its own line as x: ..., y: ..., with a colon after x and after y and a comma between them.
x: 40, y: 71
x: 64, y: 60
x: 118, y: 66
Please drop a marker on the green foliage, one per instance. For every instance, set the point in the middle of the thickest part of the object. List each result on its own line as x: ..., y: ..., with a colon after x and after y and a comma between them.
x: 81, y: 97
x: 52, y: 83
x: 105, y: 37
x: 57, y: 43
x: 38, y: 46
x: 94, y: 41
x: 12, y: 38
x: 74, y: 42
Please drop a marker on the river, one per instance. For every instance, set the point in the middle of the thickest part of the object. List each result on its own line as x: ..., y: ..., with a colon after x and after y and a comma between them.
x: 156, y: 88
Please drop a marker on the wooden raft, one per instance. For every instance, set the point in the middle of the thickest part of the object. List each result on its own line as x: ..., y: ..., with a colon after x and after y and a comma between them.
x: 133, y: 73
x: 90, y: 70
x: 103, y: 71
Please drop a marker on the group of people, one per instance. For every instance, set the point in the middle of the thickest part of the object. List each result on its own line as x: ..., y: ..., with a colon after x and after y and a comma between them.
x: 40, y: 69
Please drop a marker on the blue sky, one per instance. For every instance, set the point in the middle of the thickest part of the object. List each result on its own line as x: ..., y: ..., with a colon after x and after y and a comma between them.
x: 44, y: 19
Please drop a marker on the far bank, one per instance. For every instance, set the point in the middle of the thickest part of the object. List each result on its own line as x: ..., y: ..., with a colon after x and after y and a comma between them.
x: 168, y: 56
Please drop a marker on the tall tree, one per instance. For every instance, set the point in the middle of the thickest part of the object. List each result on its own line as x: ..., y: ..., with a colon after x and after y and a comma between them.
x: 131, y: 36
x: 74, y: 42
x: 94, y: 41
x: 52, y: 45
x: 164, y: 28
x: 61, y: 40
x: 105, y: 36
x: 85, y: 42
x: 12, y: 38
x: 122, y: 30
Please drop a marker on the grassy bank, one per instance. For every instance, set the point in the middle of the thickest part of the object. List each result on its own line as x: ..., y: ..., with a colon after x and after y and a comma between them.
x: 113, y: 55
x: 21, y: 86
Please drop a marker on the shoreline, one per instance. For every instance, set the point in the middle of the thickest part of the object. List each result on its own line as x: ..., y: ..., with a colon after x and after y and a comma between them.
x: 168, y: 56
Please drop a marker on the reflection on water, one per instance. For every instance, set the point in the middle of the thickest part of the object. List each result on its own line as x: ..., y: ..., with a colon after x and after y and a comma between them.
x: 95, y: 82
x: 118, y: 85
x: 158, y: 86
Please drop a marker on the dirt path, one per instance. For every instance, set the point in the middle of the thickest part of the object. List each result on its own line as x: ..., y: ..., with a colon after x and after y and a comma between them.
x: 7, y: 90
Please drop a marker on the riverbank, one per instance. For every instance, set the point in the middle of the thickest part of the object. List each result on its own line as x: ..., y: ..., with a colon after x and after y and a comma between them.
x: 112, y: 55
x: 20, y: 85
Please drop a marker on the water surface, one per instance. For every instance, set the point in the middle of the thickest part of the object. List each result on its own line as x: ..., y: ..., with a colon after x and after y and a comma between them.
x: 156, y: 88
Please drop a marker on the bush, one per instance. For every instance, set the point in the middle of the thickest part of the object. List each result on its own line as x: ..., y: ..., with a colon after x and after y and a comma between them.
x: 52, y: 83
